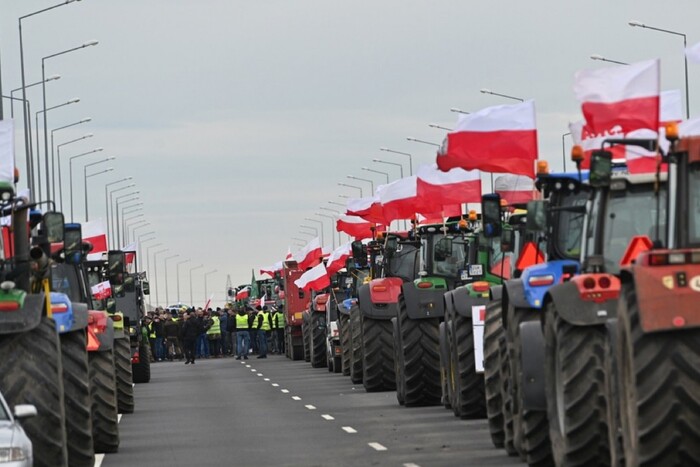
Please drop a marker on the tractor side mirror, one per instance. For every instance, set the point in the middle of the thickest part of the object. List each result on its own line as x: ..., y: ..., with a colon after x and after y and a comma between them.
x: 73, y: 243
x: 111, y: 306
x: 507, y: 241
x: 491, y: 214
x: 54, y: 225
x: 392, y: 244
x: 359, y: 252
x: 536, y: 216
x: 601, y: 169
x: 129, y: 283
x: 146, y: 288
x: 116, y: 269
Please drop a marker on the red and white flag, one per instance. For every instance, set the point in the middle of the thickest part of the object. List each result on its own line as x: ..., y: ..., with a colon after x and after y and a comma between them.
x: 336, y: 260
x: 316, y: 278
x: 243, y: 293
x: 624, y: 97
x: 289, y: 255
x: 368, y: 208
x: 399, y: 199
x: 354, y: 226
x: 309, y: 255
x: 7, y: 151
x: 693, y: 53
x: 501, y: 139
x: 437, y: 189
x: 271, y: 270
x: 102, y: 290
x: 94, y: 233
x: 515, y: 189
x: 671, y: 107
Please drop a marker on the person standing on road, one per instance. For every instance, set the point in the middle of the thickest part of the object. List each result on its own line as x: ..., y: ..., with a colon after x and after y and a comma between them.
x: 278, y: 330
x: 202, y: 348
x: 231, y: 331
x: 223, y: 319
x: 253, y: 325
x: 157, y: 331
x: 242, y: 335
x: 263, y: 327
x: 171, y: 332
x: 191, y: 329
x: 214, y: 335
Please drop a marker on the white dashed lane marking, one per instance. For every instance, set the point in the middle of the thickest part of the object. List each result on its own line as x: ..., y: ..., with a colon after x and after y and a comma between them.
x: 119, y: 418
x: 327, y: 417
x: 286, y: 391
x: 296, y: 398
x: 275, y: 385
x: 410, y: 464
x: 310, y: 407
x: 267, y: 379
x: 349, y: 429
x: 260, y: 374
x: 377, y: 446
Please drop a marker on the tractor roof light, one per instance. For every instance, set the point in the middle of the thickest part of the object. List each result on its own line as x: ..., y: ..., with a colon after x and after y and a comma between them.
x: 671, y: 131
x: 577, y: 153
x: 472, y: 215
x: 542, y: 167
x: 462, y: 224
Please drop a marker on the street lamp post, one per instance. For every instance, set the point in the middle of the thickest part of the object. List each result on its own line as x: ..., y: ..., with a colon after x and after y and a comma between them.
x: 43, y: 90
x: 58, y: 157
x: 410, y: 158
x: 155, y: 272
x: 371, y: 183
x: 433, y: 125
x: 310, y: 227
x: 332, y: 223
x: 85, y: 177
x: 148, y: 266
x: 459, y: 111
x: 193, y: 269
x: 352, y: 186
x: 115, y: 226
x: 337, y: 204
x: 177, y: 274
x: 133, y: 231
x: 603, y: 59
x: 165, y: 266
x: 53, y: 159
x: 488, y: 91
x: 70, y: 175
x: 563, y: 149
x: 311, y: 219
x: 638, y: 24
x: 12, y: 93
x: 107, y: 185
x: 28, y: 157
x: 377, y: 172
x: 136, y: 225
x: 136, y: 218
x: 112, y: 223
x: 206, y: 291
x: 429, y: 143
x: 141, y: 242
x: 400, y: 166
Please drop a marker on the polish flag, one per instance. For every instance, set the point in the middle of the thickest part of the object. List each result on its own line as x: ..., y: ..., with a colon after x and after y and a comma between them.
x: 399, y: 199
x: 454, y: 187
x: 693, y: 53
x: 307, y: 256
x: 271, y: 270
x: 671, y: 107
x: 94, y: 233
x: 354, y: 226
x: 102, y: 290
x: 336, y: 261
x: 689, y: 128
x: 316, y: 278
x: 620, y: 96
x: 289, y: 254
x: 515, y: 189
x: 243, y: 293
x: 500, y: 139
x: 368, y: 208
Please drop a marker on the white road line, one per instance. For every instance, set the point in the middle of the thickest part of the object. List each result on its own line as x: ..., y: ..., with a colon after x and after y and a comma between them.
x: 253, y: 370
x: 260, y: 374
x: 286, y: 391
x: 119, y: 418
x: 267, y: 379
x: 349, y: 429
x: 377, y: 446
x: 98, y: 459
x: 247, y: 366
x: 411, y: 464
x: 310, y: 407
x: 275, y: 385
x: 296, y: 398
x: 327, y: 417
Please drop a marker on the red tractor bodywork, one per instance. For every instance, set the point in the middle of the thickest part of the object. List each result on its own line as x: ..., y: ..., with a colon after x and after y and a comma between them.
x: 96, y: 329
x: 385, y: 290
x: 320, y: 302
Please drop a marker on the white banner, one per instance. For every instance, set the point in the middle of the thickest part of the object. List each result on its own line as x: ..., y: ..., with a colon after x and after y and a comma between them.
x: 7, y: 151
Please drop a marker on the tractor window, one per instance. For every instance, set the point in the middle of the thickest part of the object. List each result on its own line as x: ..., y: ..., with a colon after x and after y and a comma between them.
x: 64, y: 279
x: 569, y: 223
x: 403, y: 263
x: 630, y: 213
x: 694, y: 206
x: 449, y: 265
x: 499, y: 262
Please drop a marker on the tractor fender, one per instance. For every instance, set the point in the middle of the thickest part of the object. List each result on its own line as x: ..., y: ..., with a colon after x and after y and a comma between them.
x: 107, y: 342
x: 380, y: 304
x: 320, y: 302
x: 26, y: 318
x: 80, y: 316
x: 100, y: 331
x: 532, y: 364
x: 577, y: 312
x: 496, y: 292
x: 423, y: 303
x: 463, y: 302
x: 512, y: 294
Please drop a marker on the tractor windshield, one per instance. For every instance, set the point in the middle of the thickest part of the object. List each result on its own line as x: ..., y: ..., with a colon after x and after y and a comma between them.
x: 402, y: 263
x: 64, y: 279
x: 694, y: 205
x: 629, y: 212
x: 94, y: 278
x: 447, y: 260
x: 568, y: 222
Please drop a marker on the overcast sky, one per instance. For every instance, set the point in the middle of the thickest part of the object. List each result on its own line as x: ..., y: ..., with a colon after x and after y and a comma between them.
x: 237, y: 119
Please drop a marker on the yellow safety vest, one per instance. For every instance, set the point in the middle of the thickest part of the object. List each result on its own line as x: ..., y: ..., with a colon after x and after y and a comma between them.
x: 151, y: 331
x: 278, y: 320
x: 215, y: 326
x: 241, y: 322
x: 266, y: 321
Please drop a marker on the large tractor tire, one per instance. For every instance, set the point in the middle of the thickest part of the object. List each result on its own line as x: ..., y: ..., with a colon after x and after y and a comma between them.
x: 398, y: 363
x: 344, y: 327
x: 575, y: 391
x: 103, y: 388
x: 122, y: 364
x: 493, y: 339
x: 76, y: 389
x: 305, y: 334
x: 614, y: 423
x: 141, y: 371
x: 506, y: 397
x: 356, y: 346
x: 444, y: 366
x: 31, y: 373
x: 377, y: 355
x: 317, y: 340
x: 530, y: 427
x: 468, y: 400
x: 659, y: 389
x: 421, y: 358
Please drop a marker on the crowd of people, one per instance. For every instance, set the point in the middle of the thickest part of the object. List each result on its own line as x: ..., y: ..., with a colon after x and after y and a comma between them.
x: 191, y: 333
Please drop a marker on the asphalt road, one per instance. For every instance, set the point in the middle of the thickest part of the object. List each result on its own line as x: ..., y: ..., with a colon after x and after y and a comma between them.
x: 275, y: 412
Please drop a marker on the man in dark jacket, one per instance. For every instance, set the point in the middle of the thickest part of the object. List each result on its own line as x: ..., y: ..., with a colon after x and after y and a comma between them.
x: 191, y: 330
x: 171, y: 330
